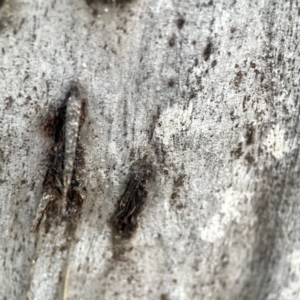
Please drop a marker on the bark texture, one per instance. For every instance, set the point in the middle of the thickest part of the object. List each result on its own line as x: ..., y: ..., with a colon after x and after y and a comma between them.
x: 206, y: 94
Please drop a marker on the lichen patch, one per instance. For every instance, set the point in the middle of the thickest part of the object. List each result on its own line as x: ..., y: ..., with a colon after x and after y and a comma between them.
x: 275, y: 143
x: 172, y: 121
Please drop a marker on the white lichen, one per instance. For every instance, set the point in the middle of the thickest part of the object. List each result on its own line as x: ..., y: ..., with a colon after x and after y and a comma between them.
x: 275, y: 143
x: 173, y: 120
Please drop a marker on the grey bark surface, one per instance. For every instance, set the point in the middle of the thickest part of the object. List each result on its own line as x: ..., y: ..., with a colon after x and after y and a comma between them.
x: 207, y: 93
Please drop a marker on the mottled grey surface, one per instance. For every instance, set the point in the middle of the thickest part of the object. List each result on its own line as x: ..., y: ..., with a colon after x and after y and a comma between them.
x: 207, y: 92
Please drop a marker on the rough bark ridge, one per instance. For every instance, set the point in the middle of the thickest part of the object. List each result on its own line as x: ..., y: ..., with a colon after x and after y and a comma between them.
x: 205, y: 92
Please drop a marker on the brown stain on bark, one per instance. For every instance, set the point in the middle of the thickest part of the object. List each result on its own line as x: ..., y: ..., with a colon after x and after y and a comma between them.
x: 238, y: 79
x: 124, y: 221
x: 207, y: 51
x: 180, y: 22
x: 130, y: 205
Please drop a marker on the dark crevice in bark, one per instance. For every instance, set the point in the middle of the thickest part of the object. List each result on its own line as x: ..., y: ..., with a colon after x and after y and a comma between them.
x: 55, y: 187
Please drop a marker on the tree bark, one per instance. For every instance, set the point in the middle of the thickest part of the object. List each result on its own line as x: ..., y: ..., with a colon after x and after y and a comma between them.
x: 203, y: 93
